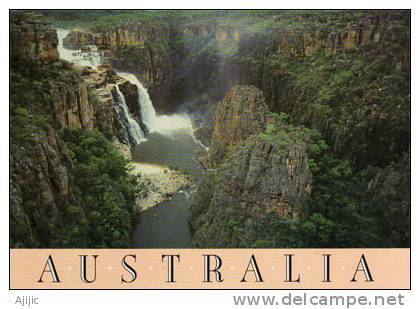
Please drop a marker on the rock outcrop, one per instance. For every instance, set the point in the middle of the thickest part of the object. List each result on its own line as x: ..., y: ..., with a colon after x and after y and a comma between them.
x: 132, y: 34
x: 332, y: 36
x: 78, y: 39
x: 32, y: 37
x: 101, y: 83
x: 70, y: 104
x: 311, y: 71
x: 222, y: 31
x: 257, y: 171
x: 41, y: 195
x: 241, y: 114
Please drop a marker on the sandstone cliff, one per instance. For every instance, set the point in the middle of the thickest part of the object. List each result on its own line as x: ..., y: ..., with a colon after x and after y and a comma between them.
x: 337, y: 76
x: 375, y: 27
x: 260, y: 169
x: 32, y: 37
x: 41, y: 197
x: 241, y: 114
x: 179, y: 60
x: 70, y: 104
x: 160, y: 54
x: 49, y: 96
x: 78, y: 97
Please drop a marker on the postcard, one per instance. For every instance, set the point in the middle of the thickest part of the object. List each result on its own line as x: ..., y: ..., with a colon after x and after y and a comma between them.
x: 210, y: 149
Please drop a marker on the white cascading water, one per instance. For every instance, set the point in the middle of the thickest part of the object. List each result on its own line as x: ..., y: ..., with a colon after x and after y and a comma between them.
x: 164, y: 124
x: 148, y: 113
x: 171, y: 124
x: 134, y: 134
x: 90, y: 57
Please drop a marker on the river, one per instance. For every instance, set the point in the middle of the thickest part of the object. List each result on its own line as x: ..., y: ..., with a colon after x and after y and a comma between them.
x: 172, y: 144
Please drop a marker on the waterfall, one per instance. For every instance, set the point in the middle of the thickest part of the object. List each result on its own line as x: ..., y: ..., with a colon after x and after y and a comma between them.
x: 148, y: 113
x: 90, y: 56
x: 163, y: 124
x: 173, y: 124
x: 132, y: 131
x: 168, y: 125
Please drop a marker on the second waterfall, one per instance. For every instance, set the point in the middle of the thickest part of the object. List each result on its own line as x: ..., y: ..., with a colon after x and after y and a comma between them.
x: 134, y: 130
x: 148, y: 113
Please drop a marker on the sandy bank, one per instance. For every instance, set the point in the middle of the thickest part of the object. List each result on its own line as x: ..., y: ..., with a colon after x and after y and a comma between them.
x: 161, y: 183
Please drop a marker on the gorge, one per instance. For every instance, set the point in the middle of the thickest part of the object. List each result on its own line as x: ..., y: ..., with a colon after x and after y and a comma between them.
x: 210, y: 128
x: 161, y: 140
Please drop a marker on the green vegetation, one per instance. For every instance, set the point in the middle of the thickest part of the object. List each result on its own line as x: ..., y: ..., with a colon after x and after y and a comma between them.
x: 102, y: 19
x: 359, y: 102
x: 353, y: 101
x: 24, y: 126
x: 279, y: 131
x: 342, y: 211
x: 337, y: 211
x: 72, y: 187
x: 358, y: 99
x: 347, y: 207
x: 104, y: 187
x: 31, y: 97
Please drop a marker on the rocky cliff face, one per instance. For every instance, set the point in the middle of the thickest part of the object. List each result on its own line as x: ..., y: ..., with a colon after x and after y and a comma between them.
x: 32, y: 37
x: 255, y: 174
x: 77, y: 39
x: 311, y: 71
x: 101, y: 84
x: 247, y: 53
x: 223, y: 32
x: 34, y: 41
x: 331, y: 35
x: 376, y: 34
x: 372, y: 28
x: 70, y: 105
x: 49, y: 95
x: 169, y: 57
x: 339, y: 78
x: 161, y: 55
x: 41, y: 196
x: 241, y: 114
x: 136, y: 35
x: 79, y: 97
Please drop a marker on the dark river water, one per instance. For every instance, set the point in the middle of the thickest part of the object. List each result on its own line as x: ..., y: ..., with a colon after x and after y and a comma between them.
x: 166, y: 225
